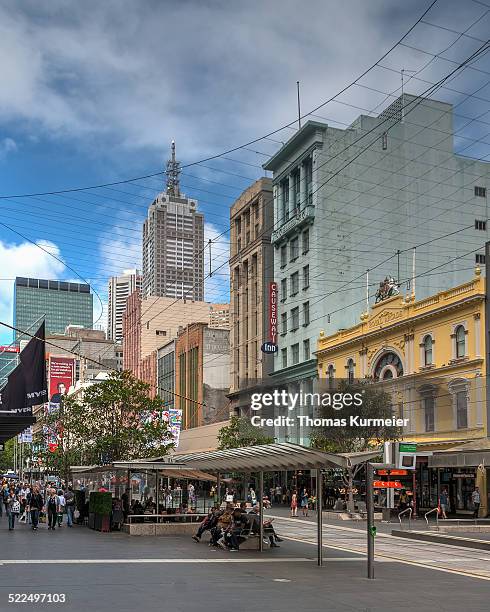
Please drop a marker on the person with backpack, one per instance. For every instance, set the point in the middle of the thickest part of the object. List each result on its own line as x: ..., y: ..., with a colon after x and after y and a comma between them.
x: 52, y: 505
x: 35, y: 505
x: 13, y: 508
x: 69, y: 505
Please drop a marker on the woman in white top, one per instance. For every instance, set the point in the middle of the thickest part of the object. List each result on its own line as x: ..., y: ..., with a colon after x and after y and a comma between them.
x: 62, y: 504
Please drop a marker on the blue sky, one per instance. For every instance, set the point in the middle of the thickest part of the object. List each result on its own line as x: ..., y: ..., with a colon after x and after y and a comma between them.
x: 94, y: 92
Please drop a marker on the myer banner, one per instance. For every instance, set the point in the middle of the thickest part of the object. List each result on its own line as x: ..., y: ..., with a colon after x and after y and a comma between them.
x: 26, y: 384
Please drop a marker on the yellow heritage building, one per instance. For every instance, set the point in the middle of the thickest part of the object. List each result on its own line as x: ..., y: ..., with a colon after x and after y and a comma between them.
x: 430, y: 355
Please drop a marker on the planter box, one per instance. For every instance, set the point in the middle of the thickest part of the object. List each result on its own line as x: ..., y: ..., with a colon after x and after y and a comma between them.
x: 91, y: 520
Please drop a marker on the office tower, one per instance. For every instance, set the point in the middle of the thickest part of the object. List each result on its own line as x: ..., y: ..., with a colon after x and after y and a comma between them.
x: 60, y: 303
x: 173, y: 243
x: 120, y: 288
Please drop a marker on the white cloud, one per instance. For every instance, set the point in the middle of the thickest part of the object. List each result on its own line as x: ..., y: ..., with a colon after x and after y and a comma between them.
x: 140, y: 72
x: 7, y: 145
x: 24, y: 260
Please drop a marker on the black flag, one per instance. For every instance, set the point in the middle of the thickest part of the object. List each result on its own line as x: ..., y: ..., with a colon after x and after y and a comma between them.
x: 33, y: 360
x: 14, y: 393
x: 26, y: 385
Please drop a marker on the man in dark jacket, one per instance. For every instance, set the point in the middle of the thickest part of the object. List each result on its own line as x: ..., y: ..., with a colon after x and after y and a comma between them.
x: 35, y: 504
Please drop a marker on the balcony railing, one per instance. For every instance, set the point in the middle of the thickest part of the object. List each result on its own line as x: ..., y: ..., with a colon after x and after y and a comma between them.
x: 301, y: 217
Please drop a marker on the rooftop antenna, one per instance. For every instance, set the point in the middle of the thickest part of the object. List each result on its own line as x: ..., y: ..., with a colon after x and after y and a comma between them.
x: 173, y: 174
x: 299, y: 106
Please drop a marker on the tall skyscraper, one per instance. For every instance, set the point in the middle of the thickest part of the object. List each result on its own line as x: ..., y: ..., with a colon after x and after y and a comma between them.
x: 173, y: 243
x: 61, y: 303
x: 120, y: 288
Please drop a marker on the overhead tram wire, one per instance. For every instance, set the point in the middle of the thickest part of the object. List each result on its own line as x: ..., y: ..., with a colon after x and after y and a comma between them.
x: 243, y: 146
x: 62, y: 262
x: 413, y: 104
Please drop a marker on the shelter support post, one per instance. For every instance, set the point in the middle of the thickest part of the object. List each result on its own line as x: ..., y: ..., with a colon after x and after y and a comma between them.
x: 130, y: 487
x: 218, y: 488
x: 371, y: 530
x: 261, y: 512
x: 319, y: 515
x: 157, y: 491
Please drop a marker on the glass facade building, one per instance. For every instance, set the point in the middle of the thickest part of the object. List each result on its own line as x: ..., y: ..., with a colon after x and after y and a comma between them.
x: 61, y: 303
x: 8, y: 360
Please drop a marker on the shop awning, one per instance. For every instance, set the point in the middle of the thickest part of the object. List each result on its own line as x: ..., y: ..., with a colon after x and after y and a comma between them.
x: 12, y: 424
x: 470, y: 454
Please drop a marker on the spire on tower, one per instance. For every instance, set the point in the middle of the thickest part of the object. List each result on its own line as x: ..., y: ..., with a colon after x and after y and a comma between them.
x: 173, y: 174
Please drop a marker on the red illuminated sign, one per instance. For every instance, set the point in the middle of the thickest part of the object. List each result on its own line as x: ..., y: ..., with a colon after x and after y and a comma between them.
x: 381, y: 484
x: 273, y: 312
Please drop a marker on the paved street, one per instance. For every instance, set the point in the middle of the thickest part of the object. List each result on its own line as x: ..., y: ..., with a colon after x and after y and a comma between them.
x: 349, y: 538
x: 114, y: 572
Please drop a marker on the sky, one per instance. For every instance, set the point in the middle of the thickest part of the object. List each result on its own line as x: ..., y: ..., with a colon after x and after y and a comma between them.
x: 93, y: 92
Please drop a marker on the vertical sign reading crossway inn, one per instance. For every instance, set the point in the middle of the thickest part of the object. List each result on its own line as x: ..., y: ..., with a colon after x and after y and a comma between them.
x: 61, y: 376
x: 273, y: 312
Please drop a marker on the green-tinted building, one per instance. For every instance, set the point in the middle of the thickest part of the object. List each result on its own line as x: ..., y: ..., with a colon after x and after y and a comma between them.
x: 61, y: 303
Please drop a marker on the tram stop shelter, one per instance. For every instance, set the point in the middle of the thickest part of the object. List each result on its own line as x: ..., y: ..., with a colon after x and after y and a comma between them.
x: 258, y: 459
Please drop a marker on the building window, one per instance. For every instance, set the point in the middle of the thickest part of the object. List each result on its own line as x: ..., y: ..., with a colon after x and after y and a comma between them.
x: 460, y: 337
x: 462, y: 409
x: 284, y: 256
x: 428, y: 350
x: 295, y: 353
x: 306, y: 241
x: 284, y: 357
x: 480, y: 192
x: 480, y: 225
x: 284, y: 289
x: 350, y: 371
x: 285, y: 200
x: 294, y: 283
x: 306, y: 277
x: 284, y: 323
x: 306, y: 350
x: 306, y: 313
x: 294, y: 249
x: 295, y: 318
x: 479, y: 258
x: 330, y: 375
x: 429, y: 412
x: 296, y: 189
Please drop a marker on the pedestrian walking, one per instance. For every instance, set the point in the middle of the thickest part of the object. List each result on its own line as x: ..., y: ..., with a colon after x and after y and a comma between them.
x: 13, y: 508
x: 52, y: 509
x: 303, y: 501
x: 35, y: 505
x: 70, y: 505
x: 61, y: 507
x: 444, y: 503
x: 476, y: 499
x: 294, y: 503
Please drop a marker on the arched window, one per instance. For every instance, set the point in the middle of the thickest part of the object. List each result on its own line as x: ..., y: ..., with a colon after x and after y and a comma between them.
x: 388, y: 366
x: 460, y: 336
x: 330, y: 375
x: 428, y: 350
x: 350, y: 371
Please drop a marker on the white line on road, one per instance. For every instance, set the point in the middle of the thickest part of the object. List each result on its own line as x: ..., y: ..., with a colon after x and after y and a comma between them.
x: 122, y: 561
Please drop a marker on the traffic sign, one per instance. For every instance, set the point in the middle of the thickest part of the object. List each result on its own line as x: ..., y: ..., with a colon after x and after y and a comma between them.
x: 382, y: 484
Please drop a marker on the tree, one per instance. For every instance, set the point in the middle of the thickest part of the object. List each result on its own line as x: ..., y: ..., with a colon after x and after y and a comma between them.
x: 240, y: 432
x: 351, y: 438
x: 7, y: 456
x: 114, y: 419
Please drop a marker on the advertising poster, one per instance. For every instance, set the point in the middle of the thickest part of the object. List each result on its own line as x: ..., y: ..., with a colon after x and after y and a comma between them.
x: 61, y: 377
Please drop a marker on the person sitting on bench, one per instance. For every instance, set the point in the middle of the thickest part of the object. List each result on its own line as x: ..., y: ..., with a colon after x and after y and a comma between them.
x: 207, y: 524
